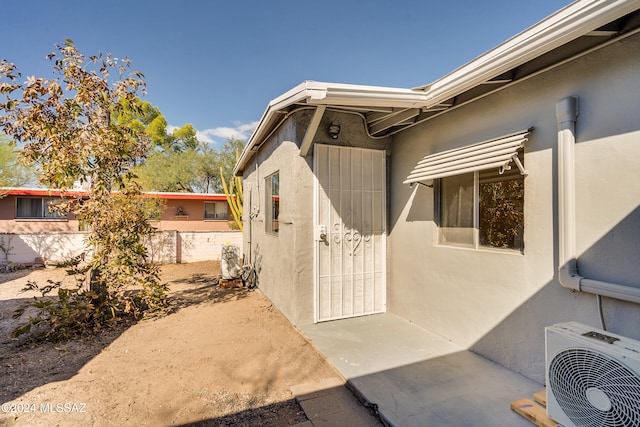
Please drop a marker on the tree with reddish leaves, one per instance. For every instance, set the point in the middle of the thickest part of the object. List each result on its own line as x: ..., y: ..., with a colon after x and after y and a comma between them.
x: 71, y: 127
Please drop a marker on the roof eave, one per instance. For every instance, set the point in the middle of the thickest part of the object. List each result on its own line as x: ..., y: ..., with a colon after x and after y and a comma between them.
x: 47, y: 192
x: 313, y: 93
x: 567, y: 24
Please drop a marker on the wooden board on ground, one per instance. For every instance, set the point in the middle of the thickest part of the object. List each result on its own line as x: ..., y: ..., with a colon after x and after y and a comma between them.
x: 235, y: 283
x: 541, y: 397
x: 533, y: 412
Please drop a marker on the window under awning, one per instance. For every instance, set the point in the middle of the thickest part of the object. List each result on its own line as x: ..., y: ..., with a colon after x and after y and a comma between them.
x: 495, y: 153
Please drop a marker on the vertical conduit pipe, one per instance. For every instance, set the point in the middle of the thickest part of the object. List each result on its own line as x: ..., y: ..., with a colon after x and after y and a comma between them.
x: 566, y: 114
x: 568, y: 275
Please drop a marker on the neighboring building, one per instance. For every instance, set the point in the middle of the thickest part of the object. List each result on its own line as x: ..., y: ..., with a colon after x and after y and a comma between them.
x: 192, y: 227
x: 462, y: 205
x: 26, y: 210
x: 193, y: 212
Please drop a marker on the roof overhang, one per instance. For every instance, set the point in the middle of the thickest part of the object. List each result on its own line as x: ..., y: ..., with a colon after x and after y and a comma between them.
x: 577, y: 27
x: 41, y: 192
x: 185, y: 196
x: 575, y: 30
x: 383, y: 108
x: 45, y: 192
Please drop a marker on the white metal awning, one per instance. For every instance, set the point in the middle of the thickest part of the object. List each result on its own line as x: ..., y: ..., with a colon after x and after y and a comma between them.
x: 495, y: 153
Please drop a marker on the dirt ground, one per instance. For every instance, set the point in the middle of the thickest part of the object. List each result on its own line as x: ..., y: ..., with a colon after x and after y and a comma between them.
x: 223, y: 357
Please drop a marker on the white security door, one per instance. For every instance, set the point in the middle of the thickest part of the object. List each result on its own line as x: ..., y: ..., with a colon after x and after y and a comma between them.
x: 350, y: 232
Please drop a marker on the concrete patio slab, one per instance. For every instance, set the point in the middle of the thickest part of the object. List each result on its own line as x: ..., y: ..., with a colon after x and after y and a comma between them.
x: 332, y: 404
x: 416, y: 378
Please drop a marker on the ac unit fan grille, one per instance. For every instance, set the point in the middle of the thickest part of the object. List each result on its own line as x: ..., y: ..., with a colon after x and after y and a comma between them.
x: 595, y: 390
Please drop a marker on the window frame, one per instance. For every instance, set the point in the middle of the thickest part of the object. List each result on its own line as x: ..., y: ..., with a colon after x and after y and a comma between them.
x: 216, y: 216
x: 272, y: 204
x: 475, y: 242
x: 45, y: 214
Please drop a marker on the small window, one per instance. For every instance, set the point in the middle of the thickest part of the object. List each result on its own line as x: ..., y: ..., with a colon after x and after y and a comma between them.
x: 272, y: 212
x: 215, y: 210
x: 482, y: 209
x: 457, y: 210
x: 501, y: 210
x: 37, y: 208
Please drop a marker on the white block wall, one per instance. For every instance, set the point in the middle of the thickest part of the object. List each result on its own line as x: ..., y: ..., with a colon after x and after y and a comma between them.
x: 54, y: 247
x: 205, y: 245
x: 166, y: 247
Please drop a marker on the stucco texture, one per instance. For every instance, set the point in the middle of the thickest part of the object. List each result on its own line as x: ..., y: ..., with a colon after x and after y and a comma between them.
x: 284, y: 261
x: 499, y: 302
x: 494, y: 302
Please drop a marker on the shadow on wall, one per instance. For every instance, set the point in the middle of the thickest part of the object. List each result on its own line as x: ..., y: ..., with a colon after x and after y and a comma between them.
x: 429, y: 392
x: 54, y: 247
x: 617, y: 251
x: 520, y: 335
x: 421, y: 206
x: 257, y: 263
x: 185, y: 245
x: 163, y: 247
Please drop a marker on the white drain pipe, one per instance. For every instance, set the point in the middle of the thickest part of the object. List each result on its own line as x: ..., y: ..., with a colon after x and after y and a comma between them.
x: 568, y: 275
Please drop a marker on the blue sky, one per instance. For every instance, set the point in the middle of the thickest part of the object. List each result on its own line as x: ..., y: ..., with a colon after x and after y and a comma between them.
x: 216, y: 64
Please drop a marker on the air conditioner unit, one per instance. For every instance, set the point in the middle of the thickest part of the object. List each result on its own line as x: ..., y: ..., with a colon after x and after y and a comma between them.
x: 593, y: 377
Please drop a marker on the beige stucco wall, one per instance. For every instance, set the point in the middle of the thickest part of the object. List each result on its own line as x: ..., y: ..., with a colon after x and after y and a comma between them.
x: 37, y: 225
x: 284, y: 263
x: 278, y: 259
x: 498, y: 303
x: 494, y: 302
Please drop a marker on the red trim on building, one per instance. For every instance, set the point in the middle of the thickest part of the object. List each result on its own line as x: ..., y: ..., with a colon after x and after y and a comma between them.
x: 187, y: 196
x: 41, y: 192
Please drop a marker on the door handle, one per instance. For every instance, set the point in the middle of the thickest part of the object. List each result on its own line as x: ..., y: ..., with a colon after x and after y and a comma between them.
x: 322, y: 232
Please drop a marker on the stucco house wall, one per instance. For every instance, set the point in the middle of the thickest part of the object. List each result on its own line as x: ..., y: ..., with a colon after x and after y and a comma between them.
x: 499, y: 302
x: 496, y: 302
x: 278, y: 258
x: 284, y: 262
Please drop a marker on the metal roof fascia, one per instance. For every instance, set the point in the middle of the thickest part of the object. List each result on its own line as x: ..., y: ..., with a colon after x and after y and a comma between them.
x: 374, y: 96
x: 44, y: 192
x: 288, y: 98
x: 41, y: 192
x: 320, y: 93
x: 185, y: 196
x: 567, y: 24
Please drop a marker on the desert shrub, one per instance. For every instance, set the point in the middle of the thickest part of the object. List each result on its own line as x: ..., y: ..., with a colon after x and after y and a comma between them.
x: 67, y: 311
